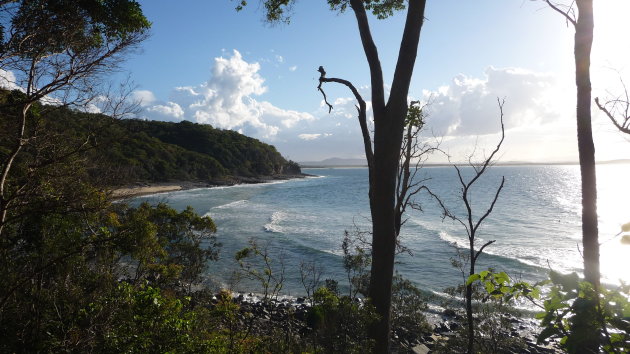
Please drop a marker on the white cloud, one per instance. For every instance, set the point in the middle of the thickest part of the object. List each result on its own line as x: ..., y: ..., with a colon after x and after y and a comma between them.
x: 279, y: 58
x: 144, y: 97
x: 468, y: 106
x: 169, y: 111
x: 313, y: 136
x: 7, y: 80
x: 293, y: 68
x: 228, y: 100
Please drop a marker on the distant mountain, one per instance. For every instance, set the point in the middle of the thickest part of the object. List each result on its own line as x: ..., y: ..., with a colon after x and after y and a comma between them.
x: 335, y: 162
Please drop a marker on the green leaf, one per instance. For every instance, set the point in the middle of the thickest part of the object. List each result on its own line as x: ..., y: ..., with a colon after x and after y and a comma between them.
x: 489, y: 287
x: 501, y: 277
x: 567, y: 281
x: 496, y: 292
x: 484, y: 274
x: 472, y: 279
x: 616, y: 337
x: 535, y: 294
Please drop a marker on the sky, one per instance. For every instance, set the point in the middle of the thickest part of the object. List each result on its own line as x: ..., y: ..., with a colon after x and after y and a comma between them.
x: 205, y: 62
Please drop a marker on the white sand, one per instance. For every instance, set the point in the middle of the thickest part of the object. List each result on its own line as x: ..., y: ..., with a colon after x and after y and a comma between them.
x: 136, y: 191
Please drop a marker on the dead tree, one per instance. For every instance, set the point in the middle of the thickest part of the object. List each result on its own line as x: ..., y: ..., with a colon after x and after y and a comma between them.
x: 468, y: 221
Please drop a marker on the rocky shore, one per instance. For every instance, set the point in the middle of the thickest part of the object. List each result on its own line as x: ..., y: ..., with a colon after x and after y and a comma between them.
x: 290, y: 316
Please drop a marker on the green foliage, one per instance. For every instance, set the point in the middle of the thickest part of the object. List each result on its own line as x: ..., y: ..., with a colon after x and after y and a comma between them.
x: 501, y: 287
x: 172, y: 255
x: 256, y: 263
x: 40, y: 28
x: 408, y: 307
x: 155, y: 151
x: 340, y: 323
x: 280, y: 10
x: 571, y: 309
x: 226, y: 331
x: 380, y: 8
x: 492, y: 312
x: 357, y: 258
x: 145, y: 320
x: 60, y: 267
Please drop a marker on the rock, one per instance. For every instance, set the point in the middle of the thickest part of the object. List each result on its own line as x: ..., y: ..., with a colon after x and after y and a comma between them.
x: 420, y: 349
x: 444, y: 327
x: 449, y: 313
x: 300, y: 300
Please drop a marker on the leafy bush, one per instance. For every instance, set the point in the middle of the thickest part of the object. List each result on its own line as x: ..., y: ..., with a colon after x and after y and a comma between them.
x: 340, y: 323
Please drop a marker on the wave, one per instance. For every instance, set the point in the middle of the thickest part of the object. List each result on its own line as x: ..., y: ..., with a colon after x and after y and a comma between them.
x: 237, y: 204
x: 256, y: 185
x: 511, y: 254
x: 452, y: 240
x: 274, y: 222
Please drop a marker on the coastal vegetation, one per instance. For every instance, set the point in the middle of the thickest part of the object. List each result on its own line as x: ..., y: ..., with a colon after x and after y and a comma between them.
x: 134, y: 150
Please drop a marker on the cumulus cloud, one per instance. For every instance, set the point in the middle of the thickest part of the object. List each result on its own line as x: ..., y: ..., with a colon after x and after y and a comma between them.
x: 144, y: 97
x: 7, y: 80
x: 293, y: 68
x: 313, y: 136
x: 228, y: 100
x: 468, y: 106
x: 168, y: 111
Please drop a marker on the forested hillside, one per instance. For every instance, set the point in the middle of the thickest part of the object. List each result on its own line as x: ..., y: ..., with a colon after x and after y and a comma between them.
x: 130, y: 150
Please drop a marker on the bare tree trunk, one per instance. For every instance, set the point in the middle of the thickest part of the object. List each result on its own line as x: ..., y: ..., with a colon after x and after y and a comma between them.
x: 389, y: 124
x: 586, y: 148
x: 469, y: 309
x: 8, y: 163
x: 383, y: 159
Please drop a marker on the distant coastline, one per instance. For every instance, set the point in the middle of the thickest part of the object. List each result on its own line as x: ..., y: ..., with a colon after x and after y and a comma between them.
x: 507, y: 163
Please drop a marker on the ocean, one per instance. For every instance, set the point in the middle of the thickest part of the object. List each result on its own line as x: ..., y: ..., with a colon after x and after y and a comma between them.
x: 535, y: 223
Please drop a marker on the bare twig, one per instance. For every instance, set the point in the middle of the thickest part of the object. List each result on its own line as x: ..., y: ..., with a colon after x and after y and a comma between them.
x: 568, y: 14
x: 362, y: 116
x: 617, y: 110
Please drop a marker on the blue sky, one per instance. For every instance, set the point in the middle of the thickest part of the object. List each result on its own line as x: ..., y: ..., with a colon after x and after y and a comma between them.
x: 207, y: 63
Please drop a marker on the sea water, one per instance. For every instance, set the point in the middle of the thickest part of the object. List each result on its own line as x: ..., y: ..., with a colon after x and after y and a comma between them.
x: 535, y: 223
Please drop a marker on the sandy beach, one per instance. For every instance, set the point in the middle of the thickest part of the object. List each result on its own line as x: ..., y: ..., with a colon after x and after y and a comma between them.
x: 129, y: 192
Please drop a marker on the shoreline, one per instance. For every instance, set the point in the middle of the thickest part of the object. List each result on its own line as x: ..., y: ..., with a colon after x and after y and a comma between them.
x: 138, y: 189
x: 290, y: 313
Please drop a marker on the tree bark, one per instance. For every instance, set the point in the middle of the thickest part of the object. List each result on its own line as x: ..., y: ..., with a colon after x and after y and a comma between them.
x: 469, y: 309
x: 586, y: 148
x: 388, y: 129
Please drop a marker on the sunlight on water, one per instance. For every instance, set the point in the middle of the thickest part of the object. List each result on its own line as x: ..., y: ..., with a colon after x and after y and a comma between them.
x: 536, y: 222
x: 613, y: 198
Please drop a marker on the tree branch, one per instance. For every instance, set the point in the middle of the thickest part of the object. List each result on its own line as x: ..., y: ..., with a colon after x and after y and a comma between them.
x: 407, y: 53
x: 371, y: 53
x: 566, y: 14
x: 362, y: 115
